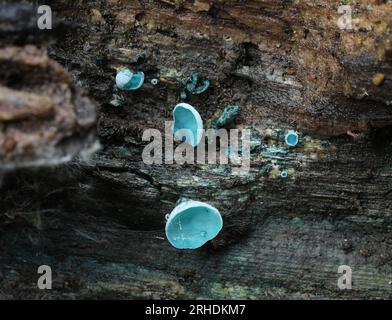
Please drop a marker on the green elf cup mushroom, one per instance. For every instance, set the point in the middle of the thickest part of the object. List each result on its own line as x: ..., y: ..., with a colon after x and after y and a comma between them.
x: 192, y: 223
x: 291, y: 138
x: 154, y: 81
x: 228, y: 115
x: 127, y: 80
x: 188, y: 125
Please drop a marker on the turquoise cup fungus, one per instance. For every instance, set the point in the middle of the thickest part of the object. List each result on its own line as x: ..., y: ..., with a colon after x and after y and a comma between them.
x: 194, y: 86
x: 291, y: 138
x: 191, y: 224
x: 188, y: 125
x: 127, y: 80
x: 154, y: 81
x: 228, y: 115
x: 284, y: 174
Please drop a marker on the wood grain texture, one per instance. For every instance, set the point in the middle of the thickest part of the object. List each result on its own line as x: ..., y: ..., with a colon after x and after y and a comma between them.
x: 100, y: 222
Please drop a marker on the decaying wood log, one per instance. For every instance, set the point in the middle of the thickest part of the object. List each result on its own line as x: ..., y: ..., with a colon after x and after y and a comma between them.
x: 44, y: 119
x: 99, y: 223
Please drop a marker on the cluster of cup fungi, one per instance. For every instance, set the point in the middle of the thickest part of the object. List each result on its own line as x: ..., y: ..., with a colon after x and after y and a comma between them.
x: 191, y: 224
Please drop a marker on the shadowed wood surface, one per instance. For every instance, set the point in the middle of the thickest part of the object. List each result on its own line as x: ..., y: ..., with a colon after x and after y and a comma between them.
x: 99, y: 223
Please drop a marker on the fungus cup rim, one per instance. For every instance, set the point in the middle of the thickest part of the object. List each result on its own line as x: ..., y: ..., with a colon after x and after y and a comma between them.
x: 125, y: 85
x: 141, y: 82
x: 122, y: 73
x: 288, y: 134
x: 182, y: 207
x: 198, y: 119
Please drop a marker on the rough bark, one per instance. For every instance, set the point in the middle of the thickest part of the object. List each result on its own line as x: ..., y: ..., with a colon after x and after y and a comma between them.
x: 44, y: 119
x: 100, y: 223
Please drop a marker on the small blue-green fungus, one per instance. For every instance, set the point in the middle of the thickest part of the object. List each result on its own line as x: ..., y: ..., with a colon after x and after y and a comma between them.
x: 291, y: 138
x: 117, y: 100
x: 154, y: 81
x: 188, y: 125
x: 183, y: 95
x: 194, y: 86
x: 192, y: 223
x: 192, y: 82
x: 283, y: 174
x: 203, y: 87
x: 127, y: 80
x: 228, y: 115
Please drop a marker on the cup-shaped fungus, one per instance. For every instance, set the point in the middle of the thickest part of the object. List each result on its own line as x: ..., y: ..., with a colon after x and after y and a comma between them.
x: 188, y: 125
x: 194, y: 86
x: 291, y: 138
x: 192, y: 223
x: 127, y: 80
x: 154, y: 81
